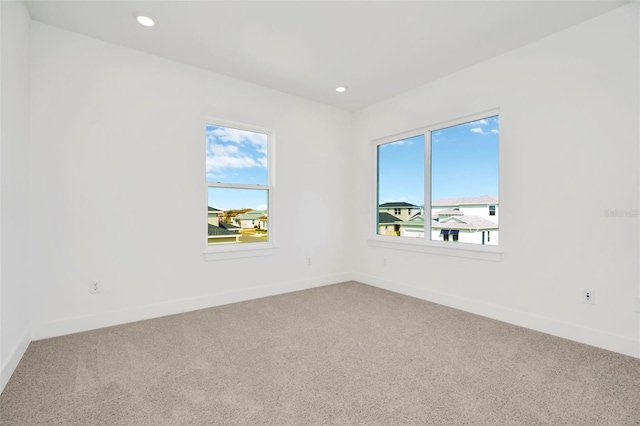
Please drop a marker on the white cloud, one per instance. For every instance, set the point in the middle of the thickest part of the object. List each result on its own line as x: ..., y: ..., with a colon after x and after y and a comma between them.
x: 482, y: 122
x: 227, y: 162
x: 482, y: 132
x: 261, y: 207
x: 217, y: 163
x: 240, y: 137
x: 230, y: 156
x: 222, y: 150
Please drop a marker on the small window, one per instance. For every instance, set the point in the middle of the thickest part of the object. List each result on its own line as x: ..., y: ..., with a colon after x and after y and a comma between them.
x: 239, y: 187
x: 492, y: 210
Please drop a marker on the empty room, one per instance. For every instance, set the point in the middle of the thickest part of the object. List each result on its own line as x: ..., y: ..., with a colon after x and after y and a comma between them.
x: 319, y: 212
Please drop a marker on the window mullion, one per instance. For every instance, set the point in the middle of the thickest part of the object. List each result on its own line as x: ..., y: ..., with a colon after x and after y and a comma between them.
x: 427, y: 185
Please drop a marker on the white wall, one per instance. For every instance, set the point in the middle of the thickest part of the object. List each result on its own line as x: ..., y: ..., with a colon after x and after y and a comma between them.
x: 569, y: 143
x: 107, y: 183
x: 14, y: 184
x: 117, y: 185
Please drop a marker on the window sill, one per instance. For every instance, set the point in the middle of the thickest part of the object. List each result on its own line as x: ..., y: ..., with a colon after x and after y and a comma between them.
x: 234, y: 251
x: 469, y: 251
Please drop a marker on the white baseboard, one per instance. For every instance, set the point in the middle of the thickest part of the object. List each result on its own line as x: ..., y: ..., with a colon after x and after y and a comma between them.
x: 45, y: 330
x: 611, y: 342
x: 615, y: 343
x: 8, y: 367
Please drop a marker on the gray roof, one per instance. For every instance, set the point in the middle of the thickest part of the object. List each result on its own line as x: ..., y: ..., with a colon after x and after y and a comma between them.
x: 484, y: 199
x: 217, y: 231
x: 397, y: 204
x: 213, y: 209
x: 228, y: 226
x: 384, y: 217
x: 416, y: 218
x: 251, y: 215
x: 465, y: 222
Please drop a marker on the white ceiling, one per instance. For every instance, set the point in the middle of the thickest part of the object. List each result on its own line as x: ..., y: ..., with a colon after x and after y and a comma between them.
x: 377, y: 49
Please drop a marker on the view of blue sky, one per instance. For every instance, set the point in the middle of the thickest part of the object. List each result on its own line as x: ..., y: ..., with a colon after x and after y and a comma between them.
x: 464, y: 163
x: 238, y: 157
x: 236, y: 199
x: 401, y: 171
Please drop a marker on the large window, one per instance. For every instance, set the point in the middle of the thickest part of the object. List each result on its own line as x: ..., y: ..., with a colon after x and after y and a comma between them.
x: 454, y: 167
x: 239, y: 184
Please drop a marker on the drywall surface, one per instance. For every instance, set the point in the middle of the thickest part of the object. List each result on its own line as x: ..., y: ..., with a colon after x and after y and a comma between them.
x: 118, y: 186
x: 568, y: 157
x: 14, y: 184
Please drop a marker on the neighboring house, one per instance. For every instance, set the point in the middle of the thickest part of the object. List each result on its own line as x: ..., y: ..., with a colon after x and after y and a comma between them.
x: 414, y: 227
x: 250, y: 220
x: 263, y: 222
x: 469, y: 220
x: 400, y: 209
x: 464, y: 228
x: 485, y: 206
x: 229, y: 215
x: 388, y: 224
x: 214, y: 216
x: 220, y: 235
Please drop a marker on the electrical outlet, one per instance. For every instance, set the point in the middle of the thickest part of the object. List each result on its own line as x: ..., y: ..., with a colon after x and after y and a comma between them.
x: 95, y: 287
x: 308, y: 261
x: 384, y: 262
x: 588, y: 297
x: 638, y: 305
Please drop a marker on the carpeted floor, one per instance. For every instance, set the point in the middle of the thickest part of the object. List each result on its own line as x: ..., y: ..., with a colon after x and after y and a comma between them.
x: 346, y: 354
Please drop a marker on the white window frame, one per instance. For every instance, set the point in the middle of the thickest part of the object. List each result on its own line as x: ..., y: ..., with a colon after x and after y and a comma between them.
x: 234, y: 251
x: 424, y: 244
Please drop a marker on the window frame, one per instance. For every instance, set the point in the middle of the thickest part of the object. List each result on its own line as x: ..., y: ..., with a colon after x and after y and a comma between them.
x: 425, y: 244
x: 254, y: 249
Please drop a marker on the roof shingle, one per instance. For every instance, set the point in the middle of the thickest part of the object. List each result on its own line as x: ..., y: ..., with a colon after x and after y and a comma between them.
x: 465, y: 222
x: 384, y: 217
x: 397, y: 204
x: 217, y: 231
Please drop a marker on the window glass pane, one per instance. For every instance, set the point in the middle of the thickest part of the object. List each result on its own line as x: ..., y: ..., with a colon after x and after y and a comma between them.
x: 236, y: 156
x: 237, y: 216
x: 401, y: 188
x: 464, y: 182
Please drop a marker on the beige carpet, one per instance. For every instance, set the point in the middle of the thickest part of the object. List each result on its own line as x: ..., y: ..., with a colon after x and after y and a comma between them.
x: 346, y: 354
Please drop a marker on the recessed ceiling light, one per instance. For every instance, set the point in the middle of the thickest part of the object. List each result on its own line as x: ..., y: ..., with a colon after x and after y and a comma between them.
x: 341, y: 89
x: 145, y: 20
